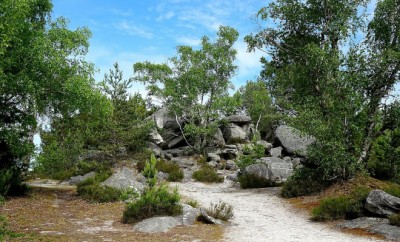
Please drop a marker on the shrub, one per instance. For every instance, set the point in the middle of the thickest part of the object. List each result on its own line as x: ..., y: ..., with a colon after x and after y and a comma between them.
x: 207, y: 174
x: 11, y: 183
x: 393, y: 190
x: 394, y: 219
x: 92, y: 190
x: 341, y: 207
x: 193, y: 203
x: 250, y: 156
x: 220, y: 210
x: 304, y: 181
x: 175, y: 173
x: 254, y: 181
x: 155, y: 201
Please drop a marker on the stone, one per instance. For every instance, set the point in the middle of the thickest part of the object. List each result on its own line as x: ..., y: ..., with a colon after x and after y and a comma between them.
x: 229, y: 153
x: 231, y: 165
x: 379, y: 226
x: 156, y: 137
x: 296, y: 163
x: 218, y: 139
x: 77, y: 179
x: 178, y: 152
x: 183, y: 162
x: 234, y: 134
x: 292, y: 141
x: 165, y: 120
x: 213, y: 157
x: 276, y: 152
x: 157, y: 224
x: 124, y: 179
x: 239, y: 119
x: 265, y: 144
x: 278, y: 170
x: 189, y: 215
x: 249, y: 129
x: 232, y: 177
x: 213, y: 164
x: 161, y: 176
x: 259, y: 169
x: 205, y: 217
x: 175, y: 142
x: 157, y: 151
x: 381, y: 203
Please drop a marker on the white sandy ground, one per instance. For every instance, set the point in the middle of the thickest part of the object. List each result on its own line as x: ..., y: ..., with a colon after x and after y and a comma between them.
x: 261, y: 215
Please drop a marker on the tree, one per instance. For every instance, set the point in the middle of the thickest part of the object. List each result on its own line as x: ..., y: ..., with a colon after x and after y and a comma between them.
x: 330, y: 80
x: 258, y: 103
x: 192, y: 85
x: 42, y: 72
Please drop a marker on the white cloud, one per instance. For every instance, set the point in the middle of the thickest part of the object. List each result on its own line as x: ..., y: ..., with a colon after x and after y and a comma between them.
x: 188, y: 41
x: 166, y: 16
x: 133, y: 29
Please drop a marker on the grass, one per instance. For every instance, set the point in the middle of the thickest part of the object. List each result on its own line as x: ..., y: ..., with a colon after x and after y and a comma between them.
x: 394, y: 219
x: 175, y: 173
x: 254, y: 181
x: 207, y: 174
x: 221, y: 210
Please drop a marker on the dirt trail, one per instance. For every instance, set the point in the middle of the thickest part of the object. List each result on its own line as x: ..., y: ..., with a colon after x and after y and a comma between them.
x: 261, y: 215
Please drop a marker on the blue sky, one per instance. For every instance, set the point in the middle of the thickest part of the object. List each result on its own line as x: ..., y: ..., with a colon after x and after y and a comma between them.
x: 129, y: 31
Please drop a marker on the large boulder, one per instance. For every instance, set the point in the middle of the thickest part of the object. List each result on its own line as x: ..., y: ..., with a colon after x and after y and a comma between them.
x: 239, y: 119
x: 382, y: 204
x: 77, y: 179
x: 279, y: 170
x: 292, y: 141
x: 217, y: 139
x: 155, y: 137
x: 234, y: 134
x: 259, y: 169
x: 157, y: 224
x: 276, y: 152
x: 165, y: 120
x: 124, y: 179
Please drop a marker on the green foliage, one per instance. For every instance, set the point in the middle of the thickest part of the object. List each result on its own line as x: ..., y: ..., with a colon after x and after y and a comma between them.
x: 393, y: 190
x: 156, y: 201
x: 254, y: 181
x: 207, y: 174
x: 304, y: 181
x: 194, y: 83
x: 92, y: 190
x: 258, y: 103
x: 342, y: 207
x: 11, y: 183
x: 329, y: 91
x: 150, y: 171
x: 221, y: 210
x: 175, y: 173
x: 193, y: 203
x: 394, y: 219
x: 250, y: 156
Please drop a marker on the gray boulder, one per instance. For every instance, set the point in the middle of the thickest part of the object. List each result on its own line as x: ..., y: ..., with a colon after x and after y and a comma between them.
x: 157, y: 224
x: 231, y: 165
x: 155, y: 149
x: 189, y: 215
x: 259, y: 169
x: 177, y: 152
x: 229, y: 152
x: 213, y: 157
x: 265, y: 144
x: 292, y: 141
x: 239, y: 119
x: 234, y: 134
x: 276, y: 152
x: 208, y: 219
x: 165, y: 120
x: 382, y: 204
x: 175, y: 142
x: 155, y: 137
x: 124, y: 179
x: 232, y: 177
x: 218, y: 139
x: 278, y: 170
x: 77, y: 179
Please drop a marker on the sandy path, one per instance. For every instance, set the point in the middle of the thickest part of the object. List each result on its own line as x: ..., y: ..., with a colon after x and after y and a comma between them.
x: 261, y: 215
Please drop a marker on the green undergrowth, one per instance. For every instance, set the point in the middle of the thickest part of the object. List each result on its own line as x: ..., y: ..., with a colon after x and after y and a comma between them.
x: 207, y: 174
x: 254, y: 181
x: 394, y: 219
x: 175, y: 173
x: 220, y: 210
x: 342, y: 207
x: 92, y: 190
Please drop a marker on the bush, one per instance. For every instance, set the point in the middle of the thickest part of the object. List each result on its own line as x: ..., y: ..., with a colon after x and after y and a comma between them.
x: 393, y: 190
x: 304, y: 181
x: 156, y: 201
x: 394, y: 219
x: 342, y: 207
x: 11, y: 183
x: 250, y: 156
x: 192, y: 203
x: 92, y: 190
x: 220, y: 210
x: 175, y: 173
x: 254, y: 181
x: 207, y: 174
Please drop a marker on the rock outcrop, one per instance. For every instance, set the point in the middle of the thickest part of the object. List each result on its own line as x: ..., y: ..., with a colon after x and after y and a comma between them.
x: 124, y: 179
x: 382, y: 204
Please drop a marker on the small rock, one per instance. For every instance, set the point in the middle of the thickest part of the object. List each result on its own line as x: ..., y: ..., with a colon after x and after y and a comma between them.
x: 208, y: 219
x: 189, y: 215
x: 157, y: 224
x: 213, y: 157
x: 276, y: 152
x: 265, y: 144
x: 231, y: 165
